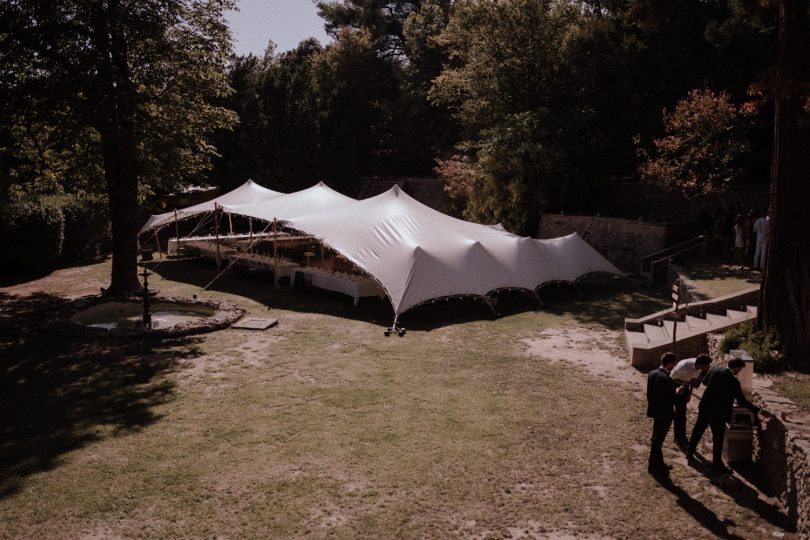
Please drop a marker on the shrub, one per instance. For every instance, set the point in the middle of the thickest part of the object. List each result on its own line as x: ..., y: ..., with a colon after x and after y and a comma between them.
x: 764, y: 347
x: 706, y: 143
x: 87, y: 225
x: 32, y: 233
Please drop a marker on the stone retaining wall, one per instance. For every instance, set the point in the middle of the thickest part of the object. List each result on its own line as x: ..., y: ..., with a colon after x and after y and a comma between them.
x: 622, y: 241
x: 781, y: 446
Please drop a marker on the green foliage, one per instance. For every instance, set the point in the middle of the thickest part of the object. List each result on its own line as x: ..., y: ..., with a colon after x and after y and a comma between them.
x: 764, y: 347
x: 181, y: 82
x: 56, y: 106
x: 87, y: 232
x: 384, y: 21
x: 706, y: 144
x: 32, y: 235
x: 512, y: 88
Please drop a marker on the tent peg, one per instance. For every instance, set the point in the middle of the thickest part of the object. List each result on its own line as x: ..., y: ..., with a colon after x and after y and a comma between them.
x: 395, y: 328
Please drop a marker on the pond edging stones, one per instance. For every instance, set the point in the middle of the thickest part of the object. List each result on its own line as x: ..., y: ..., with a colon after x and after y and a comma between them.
x: 225, y: 314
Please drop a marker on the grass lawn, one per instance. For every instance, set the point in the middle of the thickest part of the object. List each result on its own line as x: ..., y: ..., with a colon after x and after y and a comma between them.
x: 322, y: 427
x: 716, y: 275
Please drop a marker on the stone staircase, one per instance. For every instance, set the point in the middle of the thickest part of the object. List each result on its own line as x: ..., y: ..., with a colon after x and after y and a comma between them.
x: 649, y: 337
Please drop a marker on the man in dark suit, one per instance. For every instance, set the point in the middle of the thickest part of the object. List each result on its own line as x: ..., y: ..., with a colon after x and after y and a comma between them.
x: 716, y: 407
x: 661, y: 408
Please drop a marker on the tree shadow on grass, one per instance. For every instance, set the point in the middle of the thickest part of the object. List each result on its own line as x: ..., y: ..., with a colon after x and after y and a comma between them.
x: 705, y: 517
x: 717, y: 268
x: 746, y: 496
x: 59, y: 394
x: 603, y: 300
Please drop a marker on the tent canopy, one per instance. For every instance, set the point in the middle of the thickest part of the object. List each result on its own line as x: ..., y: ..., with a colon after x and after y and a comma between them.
x: 249, y: 192
x: 318, y: 198
x: 418, y: 254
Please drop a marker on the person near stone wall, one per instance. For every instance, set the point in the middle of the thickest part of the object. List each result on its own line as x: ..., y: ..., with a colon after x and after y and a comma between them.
x: 761, y: 230
x: 739, y: 241
x: 661, y: 408
x: 715, y: 410
x: 687, y: 374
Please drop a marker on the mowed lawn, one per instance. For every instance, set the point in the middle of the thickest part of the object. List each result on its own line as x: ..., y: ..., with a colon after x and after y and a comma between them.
x: 322, y: 427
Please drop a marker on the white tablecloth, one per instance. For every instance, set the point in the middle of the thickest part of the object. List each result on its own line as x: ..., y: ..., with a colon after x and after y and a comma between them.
x: 263, y: 262
x: 350, y: 284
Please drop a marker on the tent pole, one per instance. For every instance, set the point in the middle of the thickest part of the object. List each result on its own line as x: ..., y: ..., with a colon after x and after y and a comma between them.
x: 275, y: 254
x: 216, y: 235
x: 490, y: 306
x: 176, y: 227
x: 233, y: 261
x: 250, y: 223
x: 230, y: 224
x: 157, y: 241
x: 538, y: 299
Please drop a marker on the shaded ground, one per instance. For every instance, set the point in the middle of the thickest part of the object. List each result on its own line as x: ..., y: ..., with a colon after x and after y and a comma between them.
x: 717, y: 275
x: 469, y: 426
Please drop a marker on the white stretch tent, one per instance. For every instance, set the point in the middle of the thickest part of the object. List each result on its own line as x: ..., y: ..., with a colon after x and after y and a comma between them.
x: 318, y: 198
x: 249, y: 192
x: 418, y: 254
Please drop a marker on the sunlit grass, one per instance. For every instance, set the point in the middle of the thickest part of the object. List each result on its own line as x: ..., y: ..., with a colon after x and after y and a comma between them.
x: 322, y: 426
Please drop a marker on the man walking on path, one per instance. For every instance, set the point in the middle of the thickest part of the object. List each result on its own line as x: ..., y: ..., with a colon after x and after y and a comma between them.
x: 761, y: 230
x: 716, y: 407
x: 661, y: 408
x: 687, y: 374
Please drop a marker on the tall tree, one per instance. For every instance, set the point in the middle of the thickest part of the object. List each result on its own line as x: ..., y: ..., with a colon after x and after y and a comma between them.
x: 528, y: 121
x: 383, y: 19
x: 140, y: 73
x: 785, y: 292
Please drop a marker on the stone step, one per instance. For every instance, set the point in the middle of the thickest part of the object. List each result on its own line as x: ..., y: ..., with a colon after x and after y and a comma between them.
x: 717, y: 320
x: 636, y: 338
x: 655, y: 333
x: 696, y: 323
x: 736, y: 315
x: 752, y: 310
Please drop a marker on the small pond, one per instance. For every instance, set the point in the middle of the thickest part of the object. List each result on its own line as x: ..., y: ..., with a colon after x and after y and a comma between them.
x: 95, y: 316
x: 125, y: 316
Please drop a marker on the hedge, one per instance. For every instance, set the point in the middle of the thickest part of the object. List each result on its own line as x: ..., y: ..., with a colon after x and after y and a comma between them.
x: 40, y: 232
x: 32, y: 233
x: 87, y: 226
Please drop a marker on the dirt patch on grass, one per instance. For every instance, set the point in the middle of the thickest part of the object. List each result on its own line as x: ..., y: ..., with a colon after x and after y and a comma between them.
x: 594, y: 349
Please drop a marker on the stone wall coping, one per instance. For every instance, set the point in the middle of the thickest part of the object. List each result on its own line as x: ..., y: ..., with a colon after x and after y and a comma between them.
x: 626, y: 220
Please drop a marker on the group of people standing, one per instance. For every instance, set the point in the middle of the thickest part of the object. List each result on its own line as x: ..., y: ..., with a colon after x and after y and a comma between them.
x: 669, y: 390
x: 746, y: 235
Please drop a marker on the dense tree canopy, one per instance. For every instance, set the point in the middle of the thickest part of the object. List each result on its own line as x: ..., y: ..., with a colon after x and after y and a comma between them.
x: 131, y: 82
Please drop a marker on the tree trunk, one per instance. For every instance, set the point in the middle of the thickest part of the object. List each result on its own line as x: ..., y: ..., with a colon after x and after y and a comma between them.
x: 785, y: 291
x: 116, y: 116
